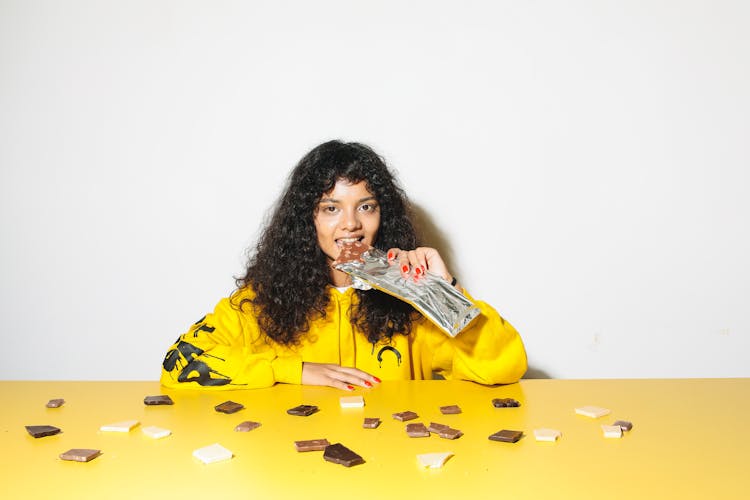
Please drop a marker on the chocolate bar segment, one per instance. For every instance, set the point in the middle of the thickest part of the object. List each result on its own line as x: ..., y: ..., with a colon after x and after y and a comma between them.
x: 450, y: 410
x: 55, y: 403
x: 351, y: 252
x: 161, y: 399
x: 505, y: 403
x: 506, y: 436
x: 450, y: 433
x: 405, y: 415
x: 417, y: 430
x: 312, y: 445
x: 38, y: 431
x: 340, y: 454
x: 229, y: 407
x: 623, y: 424
x: 436, y: 428
x: 80, y: 455
x: 246, y: 426
x: 371, y: 423
x: 302, y: 410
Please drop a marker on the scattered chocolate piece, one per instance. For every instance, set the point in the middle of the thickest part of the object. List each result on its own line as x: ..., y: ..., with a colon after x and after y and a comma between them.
x: 302, y: 410
x: 229, y: 407
x: 417, y: 430
x: 312, y: 445
x: 405, y: 415
x: 39, y: 431
x: 450, y: 433
x: 623, y: 424
x: 436, y: 428
x: 80, y: 455
x: 371, y: 423
x: 161, y: 399
x: 340, y: 454
x: 506, y: 436
x: 450, y: 410
x: 505, y: 403
x: 55, y: 403
x: 247, y: 426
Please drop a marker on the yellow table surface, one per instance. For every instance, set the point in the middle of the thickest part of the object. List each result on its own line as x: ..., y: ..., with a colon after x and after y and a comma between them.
x: 690, y: 439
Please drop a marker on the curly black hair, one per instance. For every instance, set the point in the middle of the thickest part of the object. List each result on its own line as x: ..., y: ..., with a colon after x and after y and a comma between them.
x: 288, y: 271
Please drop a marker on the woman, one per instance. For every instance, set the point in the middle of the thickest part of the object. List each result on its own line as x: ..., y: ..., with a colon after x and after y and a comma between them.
x: 295, y: 319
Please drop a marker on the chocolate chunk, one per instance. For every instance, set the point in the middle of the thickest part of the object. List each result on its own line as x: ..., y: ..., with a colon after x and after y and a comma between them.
x: 417, y: 430
x: 506, y: 436
x: 505, y: 403
x: 351, y: 252
x: 340, y: 454
x: 80, y: 455
x: 55, y: 403
x: 247, y: 426
x: 312, y: 445
x: 624, y: 425
x: 39, y: 431
x: 302, y: 410
x: 229, y: 407
x: 161, y: 399
x: 436, y: 428
x: 450, y: 433
x: 450, y: 410
x: 371, y: 423
x: 405, y: 415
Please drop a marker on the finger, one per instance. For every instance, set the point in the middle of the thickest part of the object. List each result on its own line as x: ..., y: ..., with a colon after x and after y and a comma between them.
x: 356, y: 376
x: 392, y: 253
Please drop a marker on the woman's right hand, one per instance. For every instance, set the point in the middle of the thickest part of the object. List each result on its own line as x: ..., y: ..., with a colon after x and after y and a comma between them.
x: 333, y: 375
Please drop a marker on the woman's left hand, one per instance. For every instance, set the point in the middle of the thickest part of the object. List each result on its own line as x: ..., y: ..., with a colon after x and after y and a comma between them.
x: 417, y: 262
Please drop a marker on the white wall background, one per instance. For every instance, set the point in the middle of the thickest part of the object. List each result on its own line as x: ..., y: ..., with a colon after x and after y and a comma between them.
x: 584, y: 165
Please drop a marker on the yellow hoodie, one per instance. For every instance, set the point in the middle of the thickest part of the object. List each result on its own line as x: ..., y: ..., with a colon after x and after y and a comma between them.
x: 227, y: 350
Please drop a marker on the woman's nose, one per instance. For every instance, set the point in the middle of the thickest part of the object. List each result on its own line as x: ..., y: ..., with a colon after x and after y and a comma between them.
x: 350, y: 220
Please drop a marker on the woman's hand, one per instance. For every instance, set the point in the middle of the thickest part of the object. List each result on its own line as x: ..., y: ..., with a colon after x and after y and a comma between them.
x: 417, y: 262
x: 332, y: 375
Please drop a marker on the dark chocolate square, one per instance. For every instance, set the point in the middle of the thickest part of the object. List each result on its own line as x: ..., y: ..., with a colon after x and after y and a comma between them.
x: 302, y: 410
x: 417, y: 430
x: 340, y: 454
x: 55, y: 403
x: 38, y: 431
x: 506, y: 436
x: 371, y: 423
x: 450, y: 433
x: 80, y: 454
x: 435, y: 428
x: 450, y: 410
x: 229, y: 407
x: 624, y: 425
x: 161, y: 399
x: 312, y: 445
x: 405, y: 415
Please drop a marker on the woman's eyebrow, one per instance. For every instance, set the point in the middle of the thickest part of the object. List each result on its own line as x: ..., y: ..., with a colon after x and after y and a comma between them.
x: 334, y: 200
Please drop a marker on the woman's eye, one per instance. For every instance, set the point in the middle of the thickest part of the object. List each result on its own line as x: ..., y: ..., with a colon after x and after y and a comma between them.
x: 330, y: 209
x: 367, y: 207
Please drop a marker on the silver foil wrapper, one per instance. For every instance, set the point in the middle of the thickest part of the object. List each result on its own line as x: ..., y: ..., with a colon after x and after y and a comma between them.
x: 431, y: 295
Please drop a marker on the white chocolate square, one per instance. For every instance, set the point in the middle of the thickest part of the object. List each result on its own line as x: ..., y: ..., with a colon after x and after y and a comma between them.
x: 433, y: 460
x: 612, y: 431
x: 156, y: 432
x: 352, y: 401
x: 212, y: 453
x: 551, y: 435
x: 124, y: 426
x: 592, y: 411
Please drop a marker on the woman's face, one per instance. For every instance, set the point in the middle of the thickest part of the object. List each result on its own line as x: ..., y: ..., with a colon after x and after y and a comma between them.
x: 349, y: 212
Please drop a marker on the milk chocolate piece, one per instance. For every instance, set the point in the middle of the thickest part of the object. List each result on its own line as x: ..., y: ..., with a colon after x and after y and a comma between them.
x: 450, y: 433
x: 436, y: 428
x: 505, y: 403
x: 405, y: 415
x: 312, y: 445
x: 624, y: 425
x: 302, y: 410
x: 450, y: 410
x: 371, y: 423
x: 80, y: 455
x: 417, y: 430
x: 55, y: 403
x: 161, y: 399
x: 229, y: 407
x: 247, y: 426
x: 351, y: 252
x: 506, y: 436
x: 39, y: 431
x: 340, y: 454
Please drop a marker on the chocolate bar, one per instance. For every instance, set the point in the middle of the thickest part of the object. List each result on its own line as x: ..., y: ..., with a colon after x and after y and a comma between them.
x: 340, y: 454
x: 302, y: 410
x: 161, y: 399
x: 505, y: 403
x: 312, y: 445
x: 80, y: 455
x: 38, y: 431
x: 229, y: 407
x: 506, y: 436
x: 371, y: 423
x: 246, y: 426
x: 351, y: 252
x: 405, y: 415
x: 417, y: 430
x: 450, y: 410
x: 55, y: 403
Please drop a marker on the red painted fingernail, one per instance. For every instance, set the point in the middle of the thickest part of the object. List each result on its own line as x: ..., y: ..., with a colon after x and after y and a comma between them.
x: 350, y: 387
x: 390, y: 255
x: 419, y: 270
x: 405, y: 269
x: 376, y: 379
x: 367, y: 383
